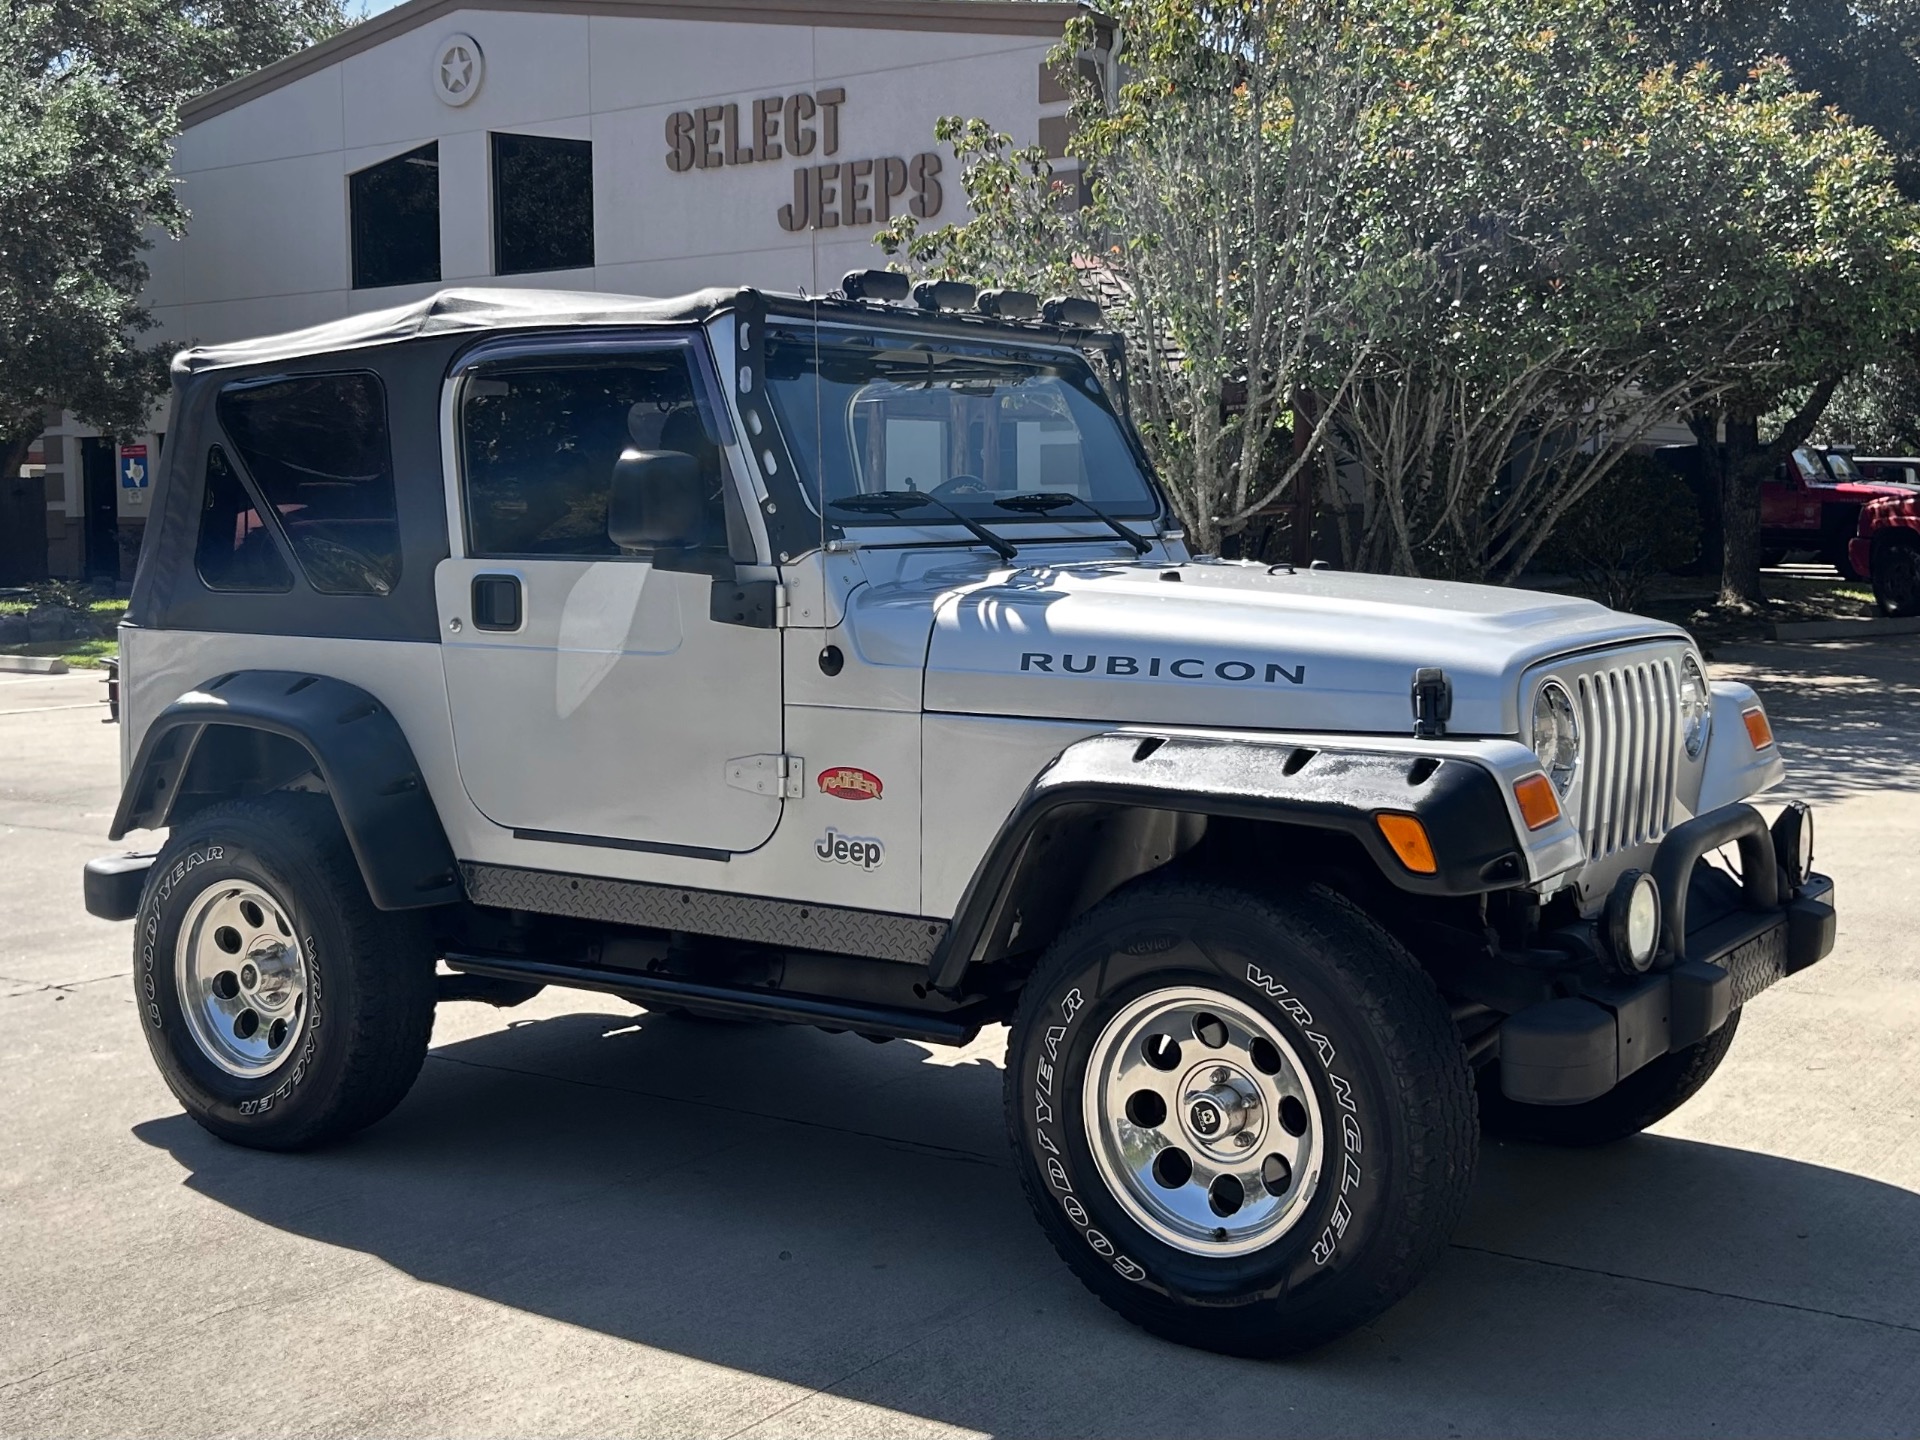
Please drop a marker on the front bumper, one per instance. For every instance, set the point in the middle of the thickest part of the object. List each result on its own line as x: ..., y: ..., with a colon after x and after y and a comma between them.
x: 1725, y: 942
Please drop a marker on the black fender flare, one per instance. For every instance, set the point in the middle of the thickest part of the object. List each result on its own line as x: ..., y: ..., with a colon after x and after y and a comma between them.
x: 358, y: 749
x: 1328, y: 788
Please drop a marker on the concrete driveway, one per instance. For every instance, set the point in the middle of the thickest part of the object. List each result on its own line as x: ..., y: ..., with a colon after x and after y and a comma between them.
x: 587, y: 1219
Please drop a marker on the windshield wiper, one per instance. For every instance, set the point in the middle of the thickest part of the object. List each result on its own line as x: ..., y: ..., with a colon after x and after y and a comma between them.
x: 1045, y: 502
x: 896, y: 502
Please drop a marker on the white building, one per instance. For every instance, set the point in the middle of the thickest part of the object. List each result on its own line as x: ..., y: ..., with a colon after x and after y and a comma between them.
x: 617, y: 145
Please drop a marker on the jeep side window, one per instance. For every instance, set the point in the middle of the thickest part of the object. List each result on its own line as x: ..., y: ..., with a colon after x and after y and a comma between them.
x: 539, y: 441
x: 316, y: 446
x: 237, y: 550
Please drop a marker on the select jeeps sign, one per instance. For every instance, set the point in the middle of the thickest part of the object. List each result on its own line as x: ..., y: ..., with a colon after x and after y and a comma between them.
x: 827, y: 194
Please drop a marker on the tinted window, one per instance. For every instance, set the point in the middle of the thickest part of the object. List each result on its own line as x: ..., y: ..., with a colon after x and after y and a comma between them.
x: 237, y: 550
x: 396, y: 220
x: 316, y: 448
x: 539, y: 440
x: 542, y: 204
x: 972, y: 423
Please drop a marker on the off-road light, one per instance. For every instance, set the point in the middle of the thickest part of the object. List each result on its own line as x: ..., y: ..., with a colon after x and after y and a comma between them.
x: 1556, y: 734
x: 1793, y: 842
x: 1009, y: 304
x: 886, y: 286
x: 1633, y: 921
x: 1539, y: 806
x: 1759, y: 728
x: 1696, y: 706
x: 1408, y: 837
x: 945, y: 295
x: 1071, y: 311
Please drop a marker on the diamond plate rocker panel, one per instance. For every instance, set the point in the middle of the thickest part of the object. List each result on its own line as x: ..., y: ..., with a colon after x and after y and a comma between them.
x: 833, y: 929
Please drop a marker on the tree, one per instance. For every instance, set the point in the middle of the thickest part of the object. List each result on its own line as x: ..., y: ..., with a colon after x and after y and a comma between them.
x: 1861, y: 58
x: 89, y: 91
x: 1487, y: 245
x: 1221, y: 162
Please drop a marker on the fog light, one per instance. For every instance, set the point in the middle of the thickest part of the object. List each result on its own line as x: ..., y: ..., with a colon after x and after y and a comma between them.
x: 1793, y: 842
x: 888, y: 287
x: 1633, y: 921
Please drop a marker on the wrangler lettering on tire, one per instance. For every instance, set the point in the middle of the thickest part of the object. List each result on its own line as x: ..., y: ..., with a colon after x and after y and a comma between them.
x: 1251, y: 1139
x: 282, y: 1009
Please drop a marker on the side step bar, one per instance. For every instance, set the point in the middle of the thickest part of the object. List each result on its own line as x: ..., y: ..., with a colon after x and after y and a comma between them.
x: 949, y: 1029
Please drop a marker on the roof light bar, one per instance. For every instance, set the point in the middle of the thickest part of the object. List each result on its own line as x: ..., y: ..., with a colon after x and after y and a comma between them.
x: 888, y: 287
x: 1009, y: 304
x: 945, y: 295
x: 1071, y: 311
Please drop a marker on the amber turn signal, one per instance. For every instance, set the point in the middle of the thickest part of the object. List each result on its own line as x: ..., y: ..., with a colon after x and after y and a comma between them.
x: 1408, y: 837
x: 1538, y: 804
x: 1759, y: 728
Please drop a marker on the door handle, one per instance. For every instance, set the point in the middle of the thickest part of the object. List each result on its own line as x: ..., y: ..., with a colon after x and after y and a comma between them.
x: 497, y: 602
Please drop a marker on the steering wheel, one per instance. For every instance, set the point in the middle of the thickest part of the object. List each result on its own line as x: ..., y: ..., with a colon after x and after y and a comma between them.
x: 960, y: 485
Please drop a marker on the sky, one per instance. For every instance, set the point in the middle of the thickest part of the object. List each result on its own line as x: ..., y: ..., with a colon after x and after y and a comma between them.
x: 361, y: 9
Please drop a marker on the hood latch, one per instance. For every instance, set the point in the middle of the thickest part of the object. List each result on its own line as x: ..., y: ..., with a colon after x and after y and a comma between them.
x: 1432, y: 703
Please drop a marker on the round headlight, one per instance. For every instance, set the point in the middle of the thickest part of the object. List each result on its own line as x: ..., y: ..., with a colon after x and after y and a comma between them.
x: 1556, y: 734
x: 1696, y: 706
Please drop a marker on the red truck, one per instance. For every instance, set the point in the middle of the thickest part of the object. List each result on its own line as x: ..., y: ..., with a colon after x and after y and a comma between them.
x: 1886, y: 549
x: 1814, y: 502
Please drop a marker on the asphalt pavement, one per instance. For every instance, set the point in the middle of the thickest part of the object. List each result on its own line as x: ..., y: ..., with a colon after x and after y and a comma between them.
x: 591, y: 1220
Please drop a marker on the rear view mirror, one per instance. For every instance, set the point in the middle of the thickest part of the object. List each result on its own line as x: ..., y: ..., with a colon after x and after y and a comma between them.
x: 658, y: 501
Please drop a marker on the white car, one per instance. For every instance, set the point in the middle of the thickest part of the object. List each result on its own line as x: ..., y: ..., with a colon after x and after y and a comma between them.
x: 838, y: 661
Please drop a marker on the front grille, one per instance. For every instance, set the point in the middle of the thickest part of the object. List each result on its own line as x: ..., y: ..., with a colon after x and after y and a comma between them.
x: 1630, y: 725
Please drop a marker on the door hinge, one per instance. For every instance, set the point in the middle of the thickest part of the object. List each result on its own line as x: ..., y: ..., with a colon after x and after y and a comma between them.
x: 775, y: 775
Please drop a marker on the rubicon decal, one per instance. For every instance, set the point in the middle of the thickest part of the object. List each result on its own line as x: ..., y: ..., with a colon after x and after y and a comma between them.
x: 861, y: 850
x: 845, y: 782
x: 1146, y: 667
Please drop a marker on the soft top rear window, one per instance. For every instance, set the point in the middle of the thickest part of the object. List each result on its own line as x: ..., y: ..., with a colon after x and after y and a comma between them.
x: 318, y: 451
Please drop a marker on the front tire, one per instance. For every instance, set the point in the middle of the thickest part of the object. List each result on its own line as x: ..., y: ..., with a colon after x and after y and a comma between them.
x: 1896, y: 575
x: 1179, y: 1016
x: 1651, y: 1093
x: 282, y: 1009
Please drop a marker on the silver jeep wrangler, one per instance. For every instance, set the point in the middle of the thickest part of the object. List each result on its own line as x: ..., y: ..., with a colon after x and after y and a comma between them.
x: 837, y: 661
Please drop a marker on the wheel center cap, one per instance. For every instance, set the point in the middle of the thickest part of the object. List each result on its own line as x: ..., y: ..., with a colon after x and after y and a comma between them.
x: 1224, y: 1109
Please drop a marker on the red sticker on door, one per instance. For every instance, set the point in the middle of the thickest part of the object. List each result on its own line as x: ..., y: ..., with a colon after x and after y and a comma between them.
x: 844, y: 782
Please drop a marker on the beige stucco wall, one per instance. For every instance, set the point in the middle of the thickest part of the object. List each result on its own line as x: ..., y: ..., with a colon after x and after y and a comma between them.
x: 266, y: 181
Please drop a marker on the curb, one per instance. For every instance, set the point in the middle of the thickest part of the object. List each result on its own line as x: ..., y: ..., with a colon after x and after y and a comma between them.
x: 1846, y: 629
x: 33, y: 664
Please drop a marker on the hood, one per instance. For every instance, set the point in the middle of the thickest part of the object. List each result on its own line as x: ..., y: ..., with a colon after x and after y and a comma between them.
x: 1232, y: 644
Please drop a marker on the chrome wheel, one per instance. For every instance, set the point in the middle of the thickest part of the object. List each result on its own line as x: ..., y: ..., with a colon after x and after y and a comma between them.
x: 242, y: 978
x: 1202, y: 1122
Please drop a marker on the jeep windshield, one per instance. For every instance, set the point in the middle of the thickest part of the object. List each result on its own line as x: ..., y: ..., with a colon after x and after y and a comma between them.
x: 968, y: 422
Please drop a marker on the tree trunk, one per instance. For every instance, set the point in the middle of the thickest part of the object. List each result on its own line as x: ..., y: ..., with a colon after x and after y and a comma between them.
x: 1744, y: 465
x: 1739, y: 460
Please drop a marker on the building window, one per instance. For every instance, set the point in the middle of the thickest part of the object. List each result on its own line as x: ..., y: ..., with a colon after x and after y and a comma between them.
x: 396, y: 220
x: 542, y: 204
x: 316, y: 448
x: 236, y: 551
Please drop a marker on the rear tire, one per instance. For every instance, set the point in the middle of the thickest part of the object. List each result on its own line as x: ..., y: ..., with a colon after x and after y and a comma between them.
x: 1304, y: 1026
x: 281, y: 1007
x: 1651, y: 1093
x: 1896, y: 574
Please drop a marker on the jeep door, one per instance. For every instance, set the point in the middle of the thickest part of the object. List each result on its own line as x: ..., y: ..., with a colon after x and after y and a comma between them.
x: 594, y: 700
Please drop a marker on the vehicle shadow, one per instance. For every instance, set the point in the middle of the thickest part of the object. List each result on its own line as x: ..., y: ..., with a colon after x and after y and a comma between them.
x: 1843, y: 712
x: 841, y: 1216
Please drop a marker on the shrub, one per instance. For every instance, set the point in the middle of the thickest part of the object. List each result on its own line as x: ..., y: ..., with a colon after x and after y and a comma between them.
x: 1638, y: 523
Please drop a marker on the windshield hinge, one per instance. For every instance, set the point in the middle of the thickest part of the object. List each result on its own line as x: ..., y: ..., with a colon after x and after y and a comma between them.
x: 775, y: 775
